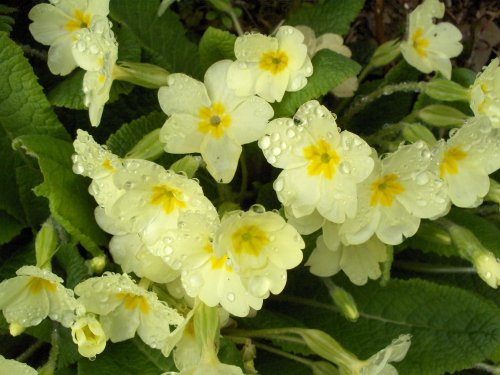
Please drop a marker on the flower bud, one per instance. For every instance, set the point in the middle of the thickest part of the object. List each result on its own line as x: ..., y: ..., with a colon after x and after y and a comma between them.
x: 88, y: 334
x: 222, y: 5
x: 418, y: 132
x: 447, y: 91
x: 442, y: 115
x: 188, y: 164
x: 488, y: 268
x: 16, y: 329
x: 149, y: 147
x: 345, y: 303
x: 385, y: 53
x: 141, y: 74
x: 96, y: 264
x: 45, y: 245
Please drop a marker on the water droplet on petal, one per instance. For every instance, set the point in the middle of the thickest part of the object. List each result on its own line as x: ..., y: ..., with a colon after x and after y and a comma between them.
x: 231, y: 297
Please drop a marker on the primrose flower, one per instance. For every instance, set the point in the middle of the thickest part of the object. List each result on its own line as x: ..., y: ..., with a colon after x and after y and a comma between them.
x: 209, y: 118
x: 97, y: 162
x: 268, y: 66
x: 57, y: 24
x: 126, y: 308
x: 95, y: 50
x: 10, y: 366
x: 466, y: 159
x: 208, y: 368
x: 262, y: 246
x: 400, y: 191
x: 211, y: 277
x: 321, y: 166
x: 379, y: 363
x: 88, y: 334
x: 430, y: 46
x: 485, y: 93
x: 359, y: 262
x: 33, y: 295
x: 335, y: 43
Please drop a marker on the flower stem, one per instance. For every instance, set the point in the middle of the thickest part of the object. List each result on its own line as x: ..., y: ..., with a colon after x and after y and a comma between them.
x: 236, y: 22
x: 29, y: 352
x: 284, y: 354
x: 429, y: 268
x: 244, y: 177
x: 386, y: 90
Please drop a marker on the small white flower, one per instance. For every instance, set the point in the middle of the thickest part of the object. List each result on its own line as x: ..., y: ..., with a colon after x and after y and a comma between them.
x: 466, y: 159
x: 321, y: 166
x: 379, y: 363
x: 56, y: 25
x: 210, y: 119
x: 359, y: 262
x: 335, y: 43
x: 125, y: 308
x: 10, y: 366
x: 95, y: 50
x: 88, y: 334
x: 268, y: 66
x: 400, y: 191
x: 33, y: 295
x: 262, y: 246
x: 430, y: 46
x: 485, y: 93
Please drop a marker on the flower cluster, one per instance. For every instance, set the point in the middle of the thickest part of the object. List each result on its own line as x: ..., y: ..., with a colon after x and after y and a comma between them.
x: 79, y: 34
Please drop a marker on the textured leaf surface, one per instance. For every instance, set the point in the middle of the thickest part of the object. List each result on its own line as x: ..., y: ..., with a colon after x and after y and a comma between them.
x: 73, y: 263
x: 330, y: 70
x: 216, y: 45
x: 162, y: 37
x: 9, y: 227
x: 333, y: 16
x: 131, y: 357
x: 69, y: 201
x: 452, y: 329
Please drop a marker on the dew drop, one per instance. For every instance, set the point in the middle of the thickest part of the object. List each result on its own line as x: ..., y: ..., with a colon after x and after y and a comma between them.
x: 231, y: 297
x: 264, y: 143
x: 290, y: 133
x: 278, y: 185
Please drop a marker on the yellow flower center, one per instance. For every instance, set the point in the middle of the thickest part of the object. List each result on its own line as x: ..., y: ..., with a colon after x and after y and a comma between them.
x: 450, y: 158
x: 249, y: 239
x: 420, y: 43
x: 385, y: 189
x: 106, y: 164
x: 89, y: 335
x: 218, y: 263
x: 80, y: 20
x: 213, y: 120
x: 273, y: 61
x: 133, y: 301
x: 167, y: 197
x: 322, y: 159
x: 37, y: 284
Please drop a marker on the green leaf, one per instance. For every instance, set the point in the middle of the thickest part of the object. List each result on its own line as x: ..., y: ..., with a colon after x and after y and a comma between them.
x: 452, y: 329
x: 23, y: 110
x: 73, y: 264
x: 68, y: 350
x: 11, y: 261
x: 131, y: 133
x: 9, y: 227
x: 162, y: 37
x: 229, y: 353
x: 330, y: 70
x: 35, y: 208
x: 441, y: 115
x: 130, y: 357
x: 6, y: 22
x: 332, y: 16
x: 69, y: 200
x: 216, y: 45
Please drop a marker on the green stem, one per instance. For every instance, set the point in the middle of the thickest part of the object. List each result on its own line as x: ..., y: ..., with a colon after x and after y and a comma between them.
x: 29, y: 352
x: 236, y: 22
x: 364, y: 73
x: 281, y: 353
x: 429, y: 268
x: 495, y: 370
x: 271, y: 333
x: 362, y: 102
x: 244, y: 177
x: 50, y: 366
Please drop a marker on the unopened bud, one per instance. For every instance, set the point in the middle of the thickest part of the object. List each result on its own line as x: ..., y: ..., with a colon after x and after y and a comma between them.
x: 323, y: 368
x: 418, y: 132
x: 385, y: 53
x: 222, y: 5
x: 445, y: 90
x: 188, y: 164
x: 442, y: 115
x: 46, y: 245
x: 149, y: 147
x: 141, y: 74
x: 96, y: 264
x: 346, y: 304
x: 16, y: 329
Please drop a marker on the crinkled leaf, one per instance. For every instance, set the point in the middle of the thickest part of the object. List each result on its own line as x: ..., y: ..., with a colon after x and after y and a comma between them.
x: 129, y: 357
x: 9, y: 227
x: 35, y: 208
x: 330, y: 70
x: 332, y: 16
x: 129, y: 134
x: 69, y: 201
x: 73, y: 264
x: 216, y: 45
x: 162, y: 37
